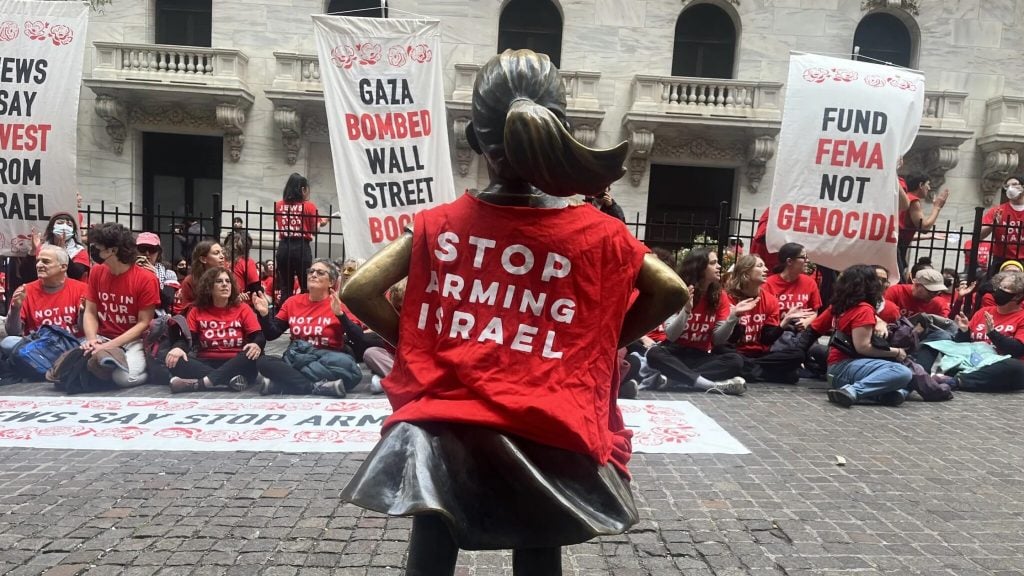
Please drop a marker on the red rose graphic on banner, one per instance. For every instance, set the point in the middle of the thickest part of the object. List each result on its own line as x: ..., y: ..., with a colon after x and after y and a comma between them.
x: 396, y: 56
x: 420, y: 53
x: 61, y: 35
x: 343, y: 56
x: 37, y: 30
x: 816, y: 75
x: 843, y: 75
x: 124, y: 433
x: 8, y: 31
x: 369, y: 54
x: 66, y: 431
x: 177, y: 432
x: 874, y: 81
x: 902, y: 83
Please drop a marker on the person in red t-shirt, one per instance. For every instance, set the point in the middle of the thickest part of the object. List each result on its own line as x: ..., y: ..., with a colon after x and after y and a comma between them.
x: 1005, y: 224
x: 226, y: 339
x: 762, y: 325
x: 315, y: 362
x: 794, y: 289
x: 920, y: 296
x: 876, y: 374
x: 912, y: 219
x: 247, y: 276
x: 51, y: 299
x: 759, y: 245
x: 120, y: 303
x: 708, y: 320
x: 207, y: 254
x: 297, y: 221
x: 1002, y: 326
x: 488, y: 386
x: 62, y: 231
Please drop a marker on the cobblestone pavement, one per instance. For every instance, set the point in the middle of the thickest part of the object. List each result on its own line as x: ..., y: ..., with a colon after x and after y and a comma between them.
x: 926, y: 489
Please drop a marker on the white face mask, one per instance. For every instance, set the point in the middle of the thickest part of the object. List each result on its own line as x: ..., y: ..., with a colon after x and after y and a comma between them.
x: 63, y: 230
x: 1014, y: 192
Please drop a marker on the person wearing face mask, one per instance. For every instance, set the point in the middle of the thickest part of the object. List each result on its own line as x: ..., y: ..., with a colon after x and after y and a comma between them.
x: 1002, y: 326
x: 62, y: 232
x: 1005, y: 224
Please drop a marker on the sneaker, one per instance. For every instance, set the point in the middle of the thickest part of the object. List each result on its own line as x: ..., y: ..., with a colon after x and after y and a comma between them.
x: 238, y: 383
x: 375, y: 386
x: 266, y: 387
x: 733, y: 387
x: 891, y: 398
x: 655, y: 381
x: 841, y: 396
x: 628, y: 389
x: 329, y: 388
x: 179, y: 385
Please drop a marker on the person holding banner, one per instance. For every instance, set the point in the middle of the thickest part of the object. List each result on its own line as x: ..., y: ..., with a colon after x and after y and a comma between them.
x: 1005, y: 223
x: 503, y: 415
x: 297, y: 221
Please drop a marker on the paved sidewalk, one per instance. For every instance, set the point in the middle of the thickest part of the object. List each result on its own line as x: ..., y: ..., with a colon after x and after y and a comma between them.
x: 930, y: 489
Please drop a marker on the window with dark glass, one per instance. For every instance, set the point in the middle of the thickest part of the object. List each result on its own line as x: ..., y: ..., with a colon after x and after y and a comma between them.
x: 882, y: 38
x: 183, y: 22
x: 531, y: 24
x: 705, y: 43
x: 360, y: 8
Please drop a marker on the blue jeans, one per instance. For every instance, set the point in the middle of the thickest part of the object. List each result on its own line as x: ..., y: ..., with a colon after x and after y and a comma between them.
x: 867, y: 378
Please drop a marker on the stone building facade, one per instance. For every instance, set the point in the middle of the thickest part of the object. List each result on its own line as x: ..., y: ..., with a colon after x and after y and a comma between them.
x: 253, y: 93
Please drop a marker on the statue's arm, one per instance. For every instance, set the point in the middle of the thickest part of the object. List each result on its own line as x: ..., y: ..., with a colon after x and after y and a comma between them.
x: 662, y: 293
x: 364, y: 293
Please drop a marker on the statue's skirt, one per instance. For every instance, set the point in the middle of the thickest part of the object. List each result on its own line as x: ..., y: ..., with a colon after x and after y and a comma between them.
x: 494, y: 491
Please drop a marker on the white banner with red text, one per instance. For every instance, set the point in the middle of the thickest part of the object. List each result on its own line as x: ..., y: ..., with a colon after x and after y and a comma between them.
x: 288, y: 425
x: 41, y: 49
x: 384, y: 93
x: 844, y: 127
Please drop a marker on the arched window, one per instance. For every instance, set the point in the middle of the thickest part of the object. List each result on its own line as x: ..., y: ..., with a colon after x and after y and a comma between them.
x: 884, y: 37
x: 360, y: 8
x: 705, y: 43
x: 183, y: 22
x: 532, y: 24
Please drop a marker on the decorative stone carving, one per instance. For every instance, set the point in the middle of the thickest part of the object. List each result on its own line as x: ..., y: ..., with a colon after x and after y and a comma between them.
x: 231, y: 118
x: 585, y: 134
x: 908, y: 6
x: 760, y: 151
x: 999, y: 165
x: 701, y: 149
x: 174, y: 115
x: 463, y: 153
x: 314, y: 125
x: 289, y: 122
x: 641, y: 142
x: 112, y: 112
x: 938, y: 161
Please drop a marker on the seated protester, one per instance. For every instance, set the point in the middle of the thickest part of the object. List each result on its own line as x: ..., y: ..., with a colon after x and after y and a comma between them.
x: 207, y: 254
x: 150, y: 251
x: 707, y: 320
x: 62, y: 232
x: 1002, y: 326
x: 984, y: 296
x: 226, y: 339
x: 358, y: 338
x: 920, y: 296
x: 313, y: 362
x: 761, y: 326
x: 875, y: 374
x: 380, y: 358
x: 119, y: 305
x: 793, y: 288
x: 268, y: 280
x: 52, y: 298
x: 181, y: 269
x: 247, y: 276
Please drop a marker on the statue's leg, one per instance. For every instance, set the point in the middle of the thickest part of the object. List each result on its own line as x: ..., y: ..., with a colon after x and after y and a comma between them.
x: 537, y: 562
x: 432, y: 551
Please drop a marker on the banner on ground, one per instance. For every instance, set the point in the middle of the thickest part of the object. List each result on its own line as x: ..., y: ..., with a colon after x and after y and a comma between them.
x: 386, y: 118
x: 288, y: 425
x: 41, y: 49
x: 844, y: 127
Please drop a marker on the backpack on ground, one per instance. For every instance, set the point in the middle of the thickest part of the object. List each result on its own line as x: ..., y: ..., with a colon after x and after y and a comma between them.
x: 37, y: 352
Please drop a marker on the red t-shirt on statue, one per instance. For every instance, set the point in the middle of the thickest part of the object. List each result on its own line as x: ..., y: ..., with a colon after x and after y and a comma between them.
x: 511, y: 320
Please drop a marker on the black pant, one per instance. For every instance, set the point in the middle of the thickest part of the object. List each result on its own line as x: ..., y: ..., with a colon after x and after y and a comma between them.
x: 1004, y: 376
x: 781, y: 366
x: 685, y: 365
x: 294, y: 257
x: 433, y: 552
x: 278, y: 371
x: 220, y: 372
